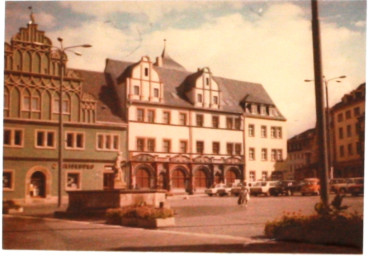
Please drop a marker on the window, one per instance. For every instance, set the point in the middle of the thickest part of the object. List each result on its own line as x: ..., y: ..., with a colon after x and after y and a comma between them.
x: 264, y: 131
x: 229, y: 148
x: 273, y: 155
x: 107, y: 142
x: 279, y: 155
x: 151, y: 116
x: 199, y: 120
x: 6, y: 99
x: 278, y: 132
x: 341, y: 133
x: 348, y: 114
x: 199, y: 97
x: 182, y: 119
x: 183, y: 146
x: 252, y: 176
x: 254, y: 109
x: 207, y: 81
x: 350, y: 149
x: 140, y: 115
x: 73, y: 181
x: 45, y: 139
x: 229, y: 123
x: 357, y: 128
x: 356, y: 111
x: 251, y: 130
x: 252, y: 155
x: 166, y: 117
x: 215, y: 121
x: 151, y: 145
x: 273, y: 132
x: 8, y: 179
x: 348, y: 131
x: 155, y: 92
x: 140, y: 144
x: 237, y: 149
x: 237, y: 123
x: 136, y: 90
x: 146, y: 71
x: 166, y: 146
x: 200, y: 147
x: 342, y: 153
x: 215, y: 100
x: 65, y: 107
x: 358, y: 147
x: 74, y: 140
x: 13, y: 137
x: 263, y: 110
x: 264, y: 175
x: 264, y: 154
x: 340, y: 117
x: 216, y: 147
x: 31, y: 103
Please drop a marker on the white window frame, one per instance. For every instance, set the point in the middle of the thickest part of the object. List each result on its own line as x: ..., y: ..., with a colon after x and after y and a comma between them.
x: 104, y: 137
x: 56, y: 105
x: 12, y: 137
x: 74, y: 146
x: 263, y: 131
x: 44, y: 144
x: 252, y: 154
x: 251, y: 130
x: 264, y: 154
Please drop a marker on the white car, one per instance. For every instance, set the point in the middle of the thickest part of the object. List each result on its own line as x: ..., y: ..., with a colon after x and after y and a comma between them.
x: 214, y: 189
x: 263, y: 187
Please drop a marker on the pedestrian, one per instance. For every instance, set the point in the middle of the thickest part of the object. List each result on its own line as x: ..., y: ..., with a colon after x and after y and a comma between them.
x: 243, y: 196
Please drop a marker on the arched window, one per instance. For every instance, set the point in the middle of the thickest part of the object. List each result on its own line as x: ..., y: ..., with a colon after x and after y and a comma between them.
x: 36, y: 64
x: 27, y: 62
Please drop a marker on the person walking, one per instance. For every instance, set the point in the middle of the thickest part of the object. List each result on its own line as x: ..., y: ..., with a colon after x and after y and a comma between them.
x: 243, y: 196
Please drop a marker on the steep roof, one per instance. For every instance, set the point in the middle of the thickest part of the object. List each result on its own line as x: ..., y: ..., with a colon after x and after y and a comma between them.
x: 233, y: 91
x: 94, y: 83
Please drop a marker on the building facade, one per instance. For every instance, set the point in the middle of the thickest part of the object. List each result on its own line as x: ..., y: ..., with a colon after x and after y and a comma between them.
x: 302, y: 155
x: 94, y: 137
x: 190, y: 130
x: 348, y: 118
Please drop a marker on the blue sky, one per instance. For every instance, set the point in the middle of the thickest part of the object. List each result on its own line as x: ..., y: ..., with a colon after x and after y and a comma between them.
x: 268, y: 42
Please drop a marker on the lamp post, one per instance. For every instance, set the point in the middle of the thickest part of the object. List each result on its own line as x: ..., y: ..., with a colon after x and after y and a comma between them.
x: 62, y: 52
x: 329, y: 147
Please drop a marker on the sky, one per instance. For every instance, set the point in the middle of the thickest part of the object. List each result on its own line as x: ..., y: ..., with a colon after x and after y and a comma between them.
x: 267, y: 42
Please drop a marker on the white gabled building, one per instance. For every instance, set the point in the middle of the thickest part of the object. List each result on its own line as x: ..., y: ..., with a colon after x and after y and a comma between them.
x: 187, y: 131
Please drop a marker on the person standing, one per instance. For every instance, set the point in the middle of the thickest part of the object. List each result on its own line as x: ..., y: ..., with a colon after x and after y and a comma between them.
x: 244, y: 196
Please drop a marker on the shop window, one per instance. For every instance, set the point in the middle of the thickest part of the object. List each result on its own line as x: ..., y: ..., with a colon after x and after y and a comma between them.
x: 45, y: 139
x: 13, y: 137
x: 74, y: 140
x: 73, y: 181
x: 8, y: 180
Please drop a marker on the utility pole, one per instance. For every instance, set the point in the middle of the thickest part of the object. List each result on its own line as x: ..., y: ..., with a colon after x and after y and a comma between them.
x: 320, y: 109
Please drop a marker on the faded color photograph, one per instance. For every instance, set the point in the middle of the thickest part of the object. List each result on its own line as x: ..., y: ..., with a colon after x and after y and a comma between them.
x: 184, y: 126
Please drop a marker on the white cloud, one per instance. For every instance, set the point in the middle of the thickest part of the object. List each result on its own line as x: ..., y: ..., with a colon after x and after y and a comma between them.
x: 46, y: 19
x: 275, y: 50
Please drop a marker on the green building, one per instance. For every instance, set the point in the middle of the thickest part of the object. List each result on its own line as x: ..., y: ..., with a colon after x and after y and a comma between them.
x: 94, y: 150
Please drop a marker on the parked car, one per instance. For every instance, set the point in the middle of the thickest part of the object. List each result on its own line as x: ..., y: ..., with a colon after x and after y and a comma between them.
x: 224, y: 191
x: 311, y: 186
x: 264, y: 187
x: 355, y: 186
x: 338, y: 185
x: 214, y: 189
x: 291, y: 186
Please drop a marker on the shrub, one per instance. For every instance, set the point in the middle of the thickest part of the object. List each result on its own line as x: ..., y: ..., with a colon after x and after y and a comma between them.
x: 113, y: 216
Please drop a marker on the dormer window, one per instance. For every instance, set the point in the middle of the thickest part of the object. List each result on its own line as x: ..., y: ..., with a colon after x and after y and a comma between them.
x: 146, y: 71
x: 155, y: 92
x: 199, y: 98
x: 263, y: 110
x: 254, y: 109
x: 136, y: 90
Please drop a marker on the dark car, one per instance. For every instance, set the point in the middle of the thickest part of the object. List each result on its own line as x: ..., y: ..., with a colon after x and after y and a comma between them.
x: 355, y: 186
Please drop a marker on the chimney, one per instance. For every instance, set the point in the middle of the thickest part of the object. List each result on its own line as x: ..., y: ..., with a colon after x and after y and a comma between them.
x: 158, y: 61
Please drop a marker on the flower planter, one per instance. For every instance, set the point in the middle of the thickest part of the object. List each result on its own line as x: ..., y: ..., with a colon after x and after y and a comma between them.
x: 148, y: 223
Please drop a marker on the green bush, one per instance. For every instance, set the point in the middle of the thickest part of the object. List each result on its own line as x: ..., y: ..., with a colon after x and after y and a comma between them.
x: 113, y: 216
x: 339, y: 229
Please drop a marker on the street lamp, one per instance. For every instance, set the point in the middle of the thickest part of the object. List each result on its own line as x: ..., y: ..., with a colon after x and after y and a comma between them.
x: 62, y: 52
x: 325, y: 81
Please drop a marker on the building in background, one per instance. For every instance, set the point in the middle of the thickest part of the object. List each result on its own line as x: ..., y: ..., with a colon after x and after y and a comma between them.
x: 94, y: 136
x: 348, y: 118
x: 302, y: 155
x: 190, y: 130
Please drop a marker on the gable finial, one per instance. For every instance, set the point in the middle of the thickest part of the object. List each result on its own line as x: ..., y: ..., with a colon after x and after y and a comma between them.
x: 32, y: 20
